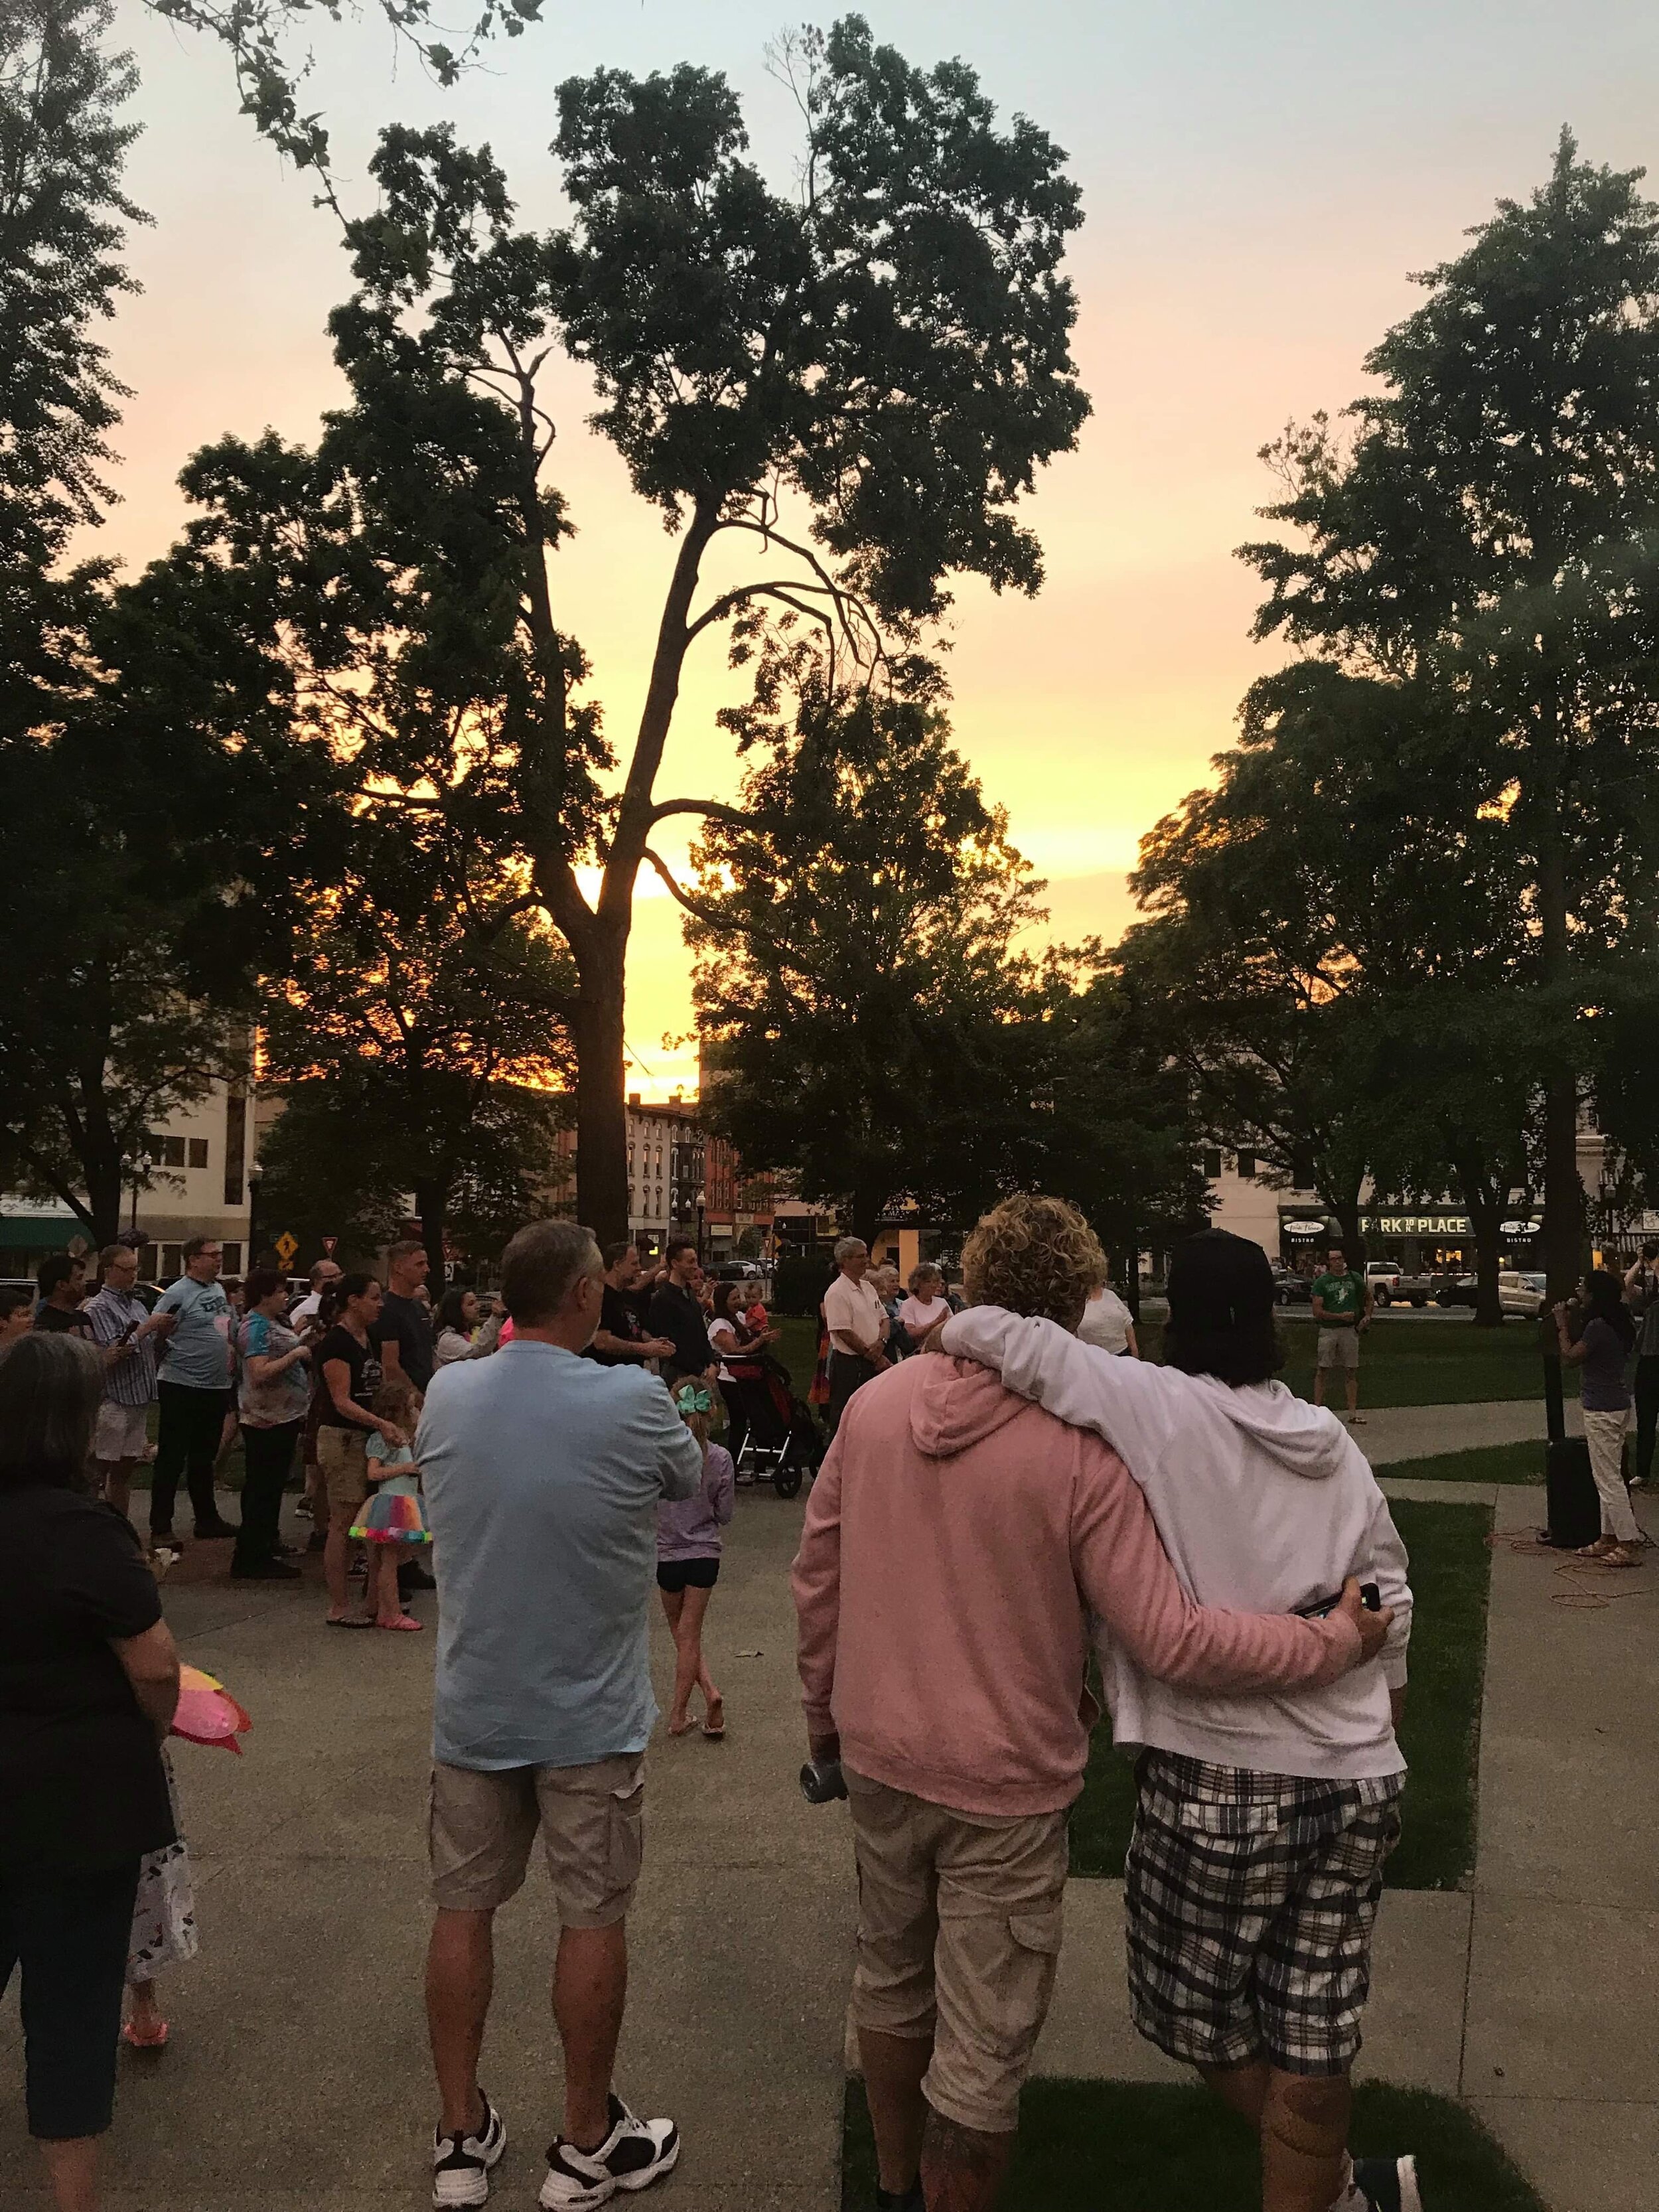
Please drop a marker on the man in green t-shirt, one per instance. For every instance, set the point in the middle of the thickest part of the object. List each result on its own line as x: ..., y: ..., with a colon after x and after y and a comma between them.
x: 1342, y: 1307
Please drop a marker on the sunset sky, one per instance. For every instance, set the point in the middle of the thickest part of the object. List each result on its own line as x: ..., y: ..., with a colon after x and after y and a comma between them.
x: 1259, y: 177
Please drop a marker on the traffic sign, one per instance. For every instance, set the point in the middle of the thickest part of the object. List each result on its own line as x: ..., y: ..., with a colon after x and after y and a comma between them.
x: 329, y: 1242
x: 287, y: 1246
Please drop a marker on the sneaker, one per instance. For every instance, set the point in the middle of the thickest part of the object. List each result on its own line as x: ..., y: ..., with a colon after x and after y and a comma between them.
x: 633, y: 2155
x: 209, y: 1531
x: 1386, y: 2184
x: 912, y: 2200
x: 460, y: 2165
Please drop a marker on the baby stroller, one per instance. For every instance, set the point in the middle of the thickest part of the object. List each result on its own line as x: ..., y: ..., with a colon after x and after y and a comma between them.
x: 781, y: 1443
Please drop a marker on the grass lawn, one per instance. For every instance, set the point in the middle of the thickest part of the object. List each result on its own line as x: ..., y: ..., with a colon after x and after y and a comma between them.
x: 1485, y: 1463
x: 1127, y: 2147
x: 798, y: 1348
x: 1404, y: 1362
x: 1450, y: 1570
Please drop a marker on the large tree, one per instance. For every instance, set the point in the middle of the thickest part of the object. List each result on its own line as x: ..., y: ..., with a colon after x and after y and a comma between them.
x: 851, y: 387
x: 1489, y: 534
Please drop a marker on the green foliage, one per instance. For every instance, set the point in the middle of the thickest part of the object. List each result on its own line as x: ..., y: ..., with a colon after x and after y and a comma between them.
x: 258, y: 35
x: 63, y: 220
x: 425, y: 1060
x: 1486, y: 540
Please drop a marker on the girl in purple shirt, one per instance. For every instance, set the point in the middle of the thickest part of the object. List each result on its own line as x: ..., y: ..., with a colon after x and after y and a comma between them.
x: 688, y: 1563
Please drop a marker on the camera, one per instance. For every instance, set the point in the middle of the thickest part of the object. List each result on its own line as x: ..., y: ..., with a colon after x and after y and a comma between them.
x: 822, y: 1781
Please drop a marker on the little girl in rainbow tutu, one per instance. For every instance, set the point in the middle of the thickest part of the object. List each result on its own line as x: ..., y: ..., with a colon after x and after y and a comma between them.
x: 391, y: 1515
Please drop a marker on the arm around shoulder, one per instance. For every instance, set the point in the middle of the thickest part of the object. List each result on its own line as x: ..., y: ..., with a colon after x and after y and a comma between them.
x: 1125, y: 1573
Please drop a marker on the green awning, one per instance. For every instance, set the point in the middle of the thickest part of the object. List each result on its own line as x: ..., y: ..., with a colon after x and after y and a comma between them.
x: 34, y: 1232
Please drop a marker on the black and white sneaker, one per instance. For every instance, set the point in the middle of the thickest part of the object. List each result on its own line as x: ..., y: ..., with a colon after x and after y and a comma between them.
x: 461, y: 2163
x: 633, y: 2155
x: 1387, y: 2184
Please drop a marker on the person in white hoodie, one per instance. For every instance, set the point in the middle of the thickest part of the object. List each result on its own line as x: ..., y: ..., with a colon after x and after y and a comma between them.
x: 1263, y: 1821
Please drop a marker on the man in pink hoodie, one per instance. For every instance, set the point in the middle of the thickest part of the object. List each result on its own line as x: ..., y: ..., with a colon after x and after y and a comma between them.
x: 957, y: 1543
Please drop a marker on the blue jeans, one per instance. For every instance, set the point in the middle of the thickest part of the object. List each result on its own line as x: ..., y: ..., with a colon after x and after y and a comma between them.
x: 71, y: 1939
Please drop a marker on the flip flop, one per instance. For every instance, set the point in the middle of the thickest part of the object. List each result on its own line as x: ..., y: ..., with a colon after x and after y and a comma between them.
x: 712, y: 1729
x: 157, y: 2040
x: 404, y: 1624
x: 351, y: 1620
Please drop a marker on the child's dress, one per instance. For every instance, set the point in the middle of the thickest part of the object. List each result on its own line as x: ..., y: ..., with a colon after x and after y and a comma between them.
x: 164, y: 1912
x: 392, y: 1512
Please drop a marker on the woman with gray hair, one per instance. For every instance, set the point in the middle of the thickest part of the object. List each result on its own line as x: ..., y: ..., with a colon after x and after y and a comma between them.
x: 88, y: 1680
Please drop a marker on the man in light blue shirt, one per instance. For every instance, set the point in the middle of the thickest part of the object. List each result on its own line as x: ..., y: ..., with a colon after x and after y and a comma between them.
x: 194, y: 1391
x: 542, y: 1473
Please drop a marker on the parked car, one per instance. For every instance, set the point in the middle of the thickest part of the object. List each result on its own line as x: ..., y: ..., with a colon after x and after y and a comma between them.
x: 1520, y: 1293
x: 1406, y: 1290
x: 1291, y: 1289
x: 1380, y: 1276
x: 1455, y: 1290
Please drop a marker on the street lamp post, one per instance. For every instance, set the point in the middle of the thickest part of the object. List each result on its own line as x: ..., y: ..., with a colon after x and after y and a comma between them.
x: 255, y: 1176
x: 702, y: 1199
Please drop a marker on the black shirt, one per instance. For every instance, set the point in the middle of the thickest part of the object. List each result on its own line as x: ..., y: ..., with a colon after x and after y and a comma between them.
x: 676, y: 1314
x: 61, y: 1320
x: 363, y: 1360
x: 405, y: 1322
x: 82, y: 1785
x: 619, y: 1317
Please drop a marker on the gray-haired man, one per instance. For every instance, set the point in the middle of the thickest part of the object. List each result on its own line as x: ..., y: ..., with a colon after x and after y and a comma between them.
x: 858, y: 1327
x: 542, y: 1474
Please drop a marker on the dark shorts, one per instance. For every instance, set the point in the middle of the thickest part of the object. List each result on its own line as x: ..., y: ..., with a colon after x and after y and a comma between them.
x: 1249, y: 1905
x: 673, y: 1575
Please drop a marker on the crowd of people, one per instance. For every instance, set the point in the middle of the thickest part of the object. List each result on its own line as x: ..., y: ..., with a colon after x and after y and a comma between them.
x: 1008, y: 1482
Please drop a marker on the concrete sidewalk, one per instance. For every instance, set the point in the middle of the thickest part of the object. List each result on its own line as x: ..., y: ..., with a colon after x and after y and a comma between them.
x: 1395, y: 1432
x: 298, y: 2078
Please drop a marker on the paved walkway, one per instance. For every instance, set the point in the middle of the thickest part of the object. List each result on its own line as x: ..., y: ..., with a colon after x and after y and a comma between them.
x: 1395, y: 1432
x: 298, y: 2080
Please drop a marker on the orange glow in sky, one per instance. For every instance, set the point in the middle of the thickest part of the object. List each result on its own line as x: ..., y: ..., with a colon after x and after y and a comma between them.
x: 1258, y: 181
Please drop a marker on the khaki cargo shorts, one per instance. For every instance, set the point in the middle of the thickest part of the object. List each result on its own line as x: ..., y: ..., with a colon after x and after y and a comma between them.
x: 592, y: 1819
x: 959, y: 1928
x: 1339, y: 1347
x: 344, y: 1463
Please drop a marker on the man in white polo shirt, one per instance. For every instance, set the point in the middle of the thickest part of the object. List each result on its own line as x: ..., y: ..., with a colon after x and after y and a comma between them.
x: 858, y: 1325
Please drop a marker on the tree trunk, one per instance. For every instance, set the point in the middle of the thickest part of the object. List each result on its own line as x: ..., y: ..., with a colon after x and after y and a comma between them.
x: 1564, y: 1189
x: 1484, y: 1212
x: 601, y: 953
x: 432, y: 1204
x: 865, y: 1204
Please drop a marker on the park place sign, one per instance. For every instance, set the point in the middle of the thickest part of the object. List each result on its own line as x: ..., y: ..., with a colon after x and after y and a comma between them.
x: 1415, y: 1224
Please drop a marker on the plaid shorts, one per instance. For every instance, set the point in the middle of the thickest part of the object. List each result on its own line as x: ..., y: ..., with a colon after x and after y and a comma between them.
x: 1249, y: 1901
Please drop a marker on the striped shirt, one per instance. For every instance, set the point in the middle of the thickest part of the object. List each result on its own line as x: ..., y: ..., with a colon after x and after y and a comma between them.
x: 131, y: 1381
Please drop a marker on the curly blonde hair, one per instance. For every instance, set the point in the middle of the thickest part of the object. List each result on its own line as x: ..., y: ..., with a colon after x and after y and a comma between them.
x: 1033, y: 1256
